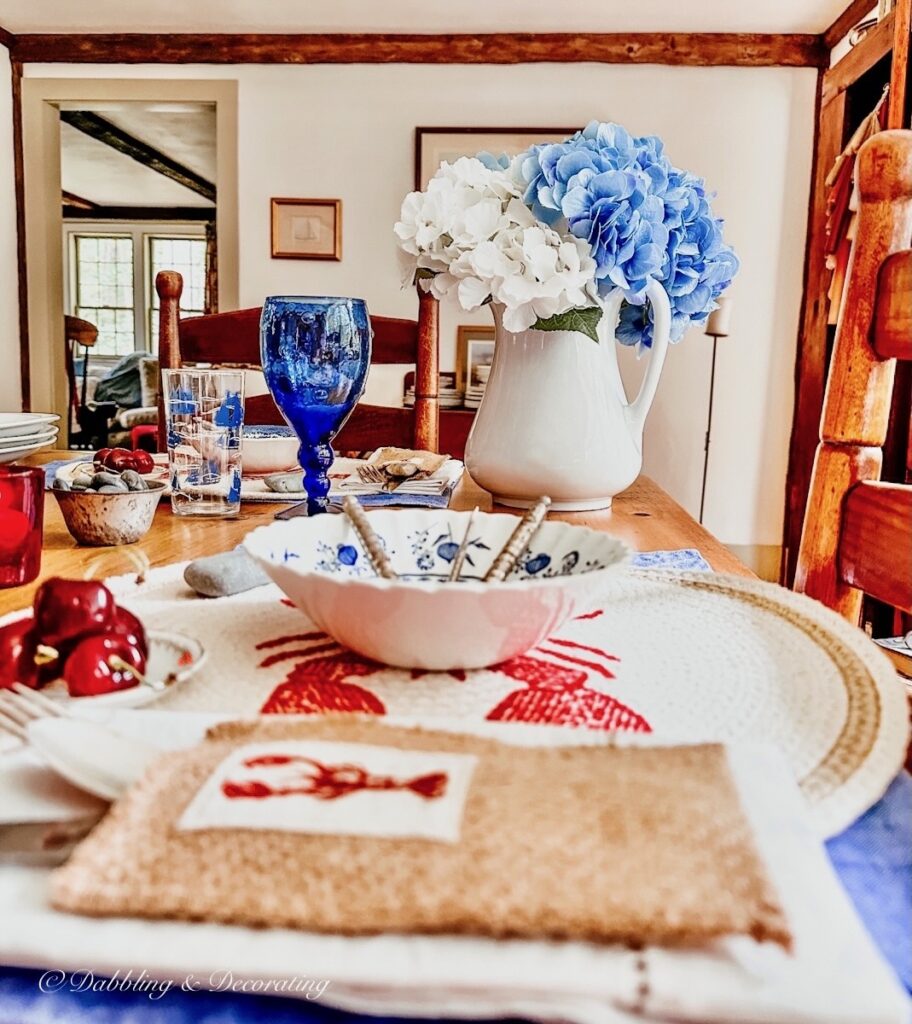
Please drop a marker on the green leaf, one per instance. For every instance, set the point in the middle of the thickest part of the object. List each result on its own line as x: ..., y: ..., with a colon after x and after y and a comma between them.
x: 584, y: 320
x: 423, y: 274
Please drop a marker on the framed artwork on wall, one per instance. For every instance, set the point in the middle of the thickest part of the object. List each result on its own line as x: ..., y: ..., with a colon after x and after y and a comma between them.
x: 306, y: 229
x: 434, y: 145
x: 474, y: 355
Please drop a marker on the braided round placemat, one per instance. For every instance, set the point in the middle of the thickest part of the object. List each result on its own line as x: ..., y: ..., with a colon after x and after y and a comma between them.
x: 676, y: 657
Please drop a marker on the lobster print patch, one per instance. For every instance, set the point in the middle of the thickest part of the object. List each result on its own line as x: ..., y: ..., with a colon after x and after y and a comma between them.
x: 328, y: 788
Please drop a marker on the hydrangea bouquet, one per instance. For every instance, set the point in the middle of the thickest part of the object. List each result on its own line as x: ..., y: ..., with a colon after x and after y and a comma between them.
x: 551, y: 233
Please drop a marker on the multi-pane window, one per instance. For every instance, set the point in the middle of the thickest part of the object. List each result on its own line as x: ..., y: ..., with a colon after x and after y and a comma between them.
x: 103, y: 281
x: 188, y: 257
x: 111, y: 279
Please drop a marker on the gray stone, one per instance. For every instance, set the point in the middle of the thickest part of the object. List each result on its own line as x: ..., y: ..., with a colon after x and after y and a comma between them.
x: 61, y: 485
x: 232, y: 572
x: 286, y: 483
x: 81, y: 482
x: 133, y: 480
x: 100, y: 480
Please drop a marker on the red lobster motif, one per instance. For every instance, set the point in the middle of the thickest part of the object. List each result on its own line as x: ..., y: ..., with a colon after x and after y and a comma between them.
x: 554, y: 682
x: 329, y: 781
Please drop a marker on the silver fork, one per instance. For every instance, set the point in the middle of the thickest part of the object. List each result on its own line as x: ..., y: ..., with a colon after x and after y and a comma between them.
x: 20, y: 705
x: 371, y: 475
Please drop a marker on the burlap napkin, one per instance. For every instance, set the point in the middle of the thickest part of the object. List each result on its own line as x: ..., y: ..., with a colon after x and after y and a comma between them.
x: 642, y: 845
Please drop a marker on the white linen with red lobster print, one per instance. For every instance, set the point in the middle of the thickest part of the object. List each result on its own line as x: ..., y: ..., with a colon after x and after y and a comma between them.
x: 265, y: 656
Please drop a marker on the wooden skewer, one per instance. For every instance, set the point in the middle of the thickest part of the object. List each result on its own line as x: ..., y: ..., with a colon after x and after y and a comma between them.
x: 459, y: 557
x: 519, y: 538
x: 369, y: 540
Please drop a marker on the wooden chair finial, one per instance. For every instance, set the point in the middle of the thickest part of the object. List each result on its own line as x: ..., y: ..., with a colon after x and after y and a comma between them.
x: 885, y: 167
x: 169, y: 285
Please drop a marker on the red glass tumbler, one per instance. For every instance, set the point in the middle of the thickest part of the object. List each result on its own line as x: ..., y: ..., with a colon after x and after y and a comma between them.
x: 21, y: 522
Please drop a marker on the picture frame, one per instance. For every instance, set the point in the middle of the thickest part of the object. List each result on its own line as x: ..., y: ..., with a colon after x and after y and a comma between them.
x: 435, y: 144
x: 474, y: 347
x: 306, y: 229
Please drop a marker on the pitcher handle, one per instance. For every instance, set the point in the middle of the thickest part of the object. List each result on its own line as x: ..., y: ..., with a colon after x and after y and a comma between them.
x: 638, y: 409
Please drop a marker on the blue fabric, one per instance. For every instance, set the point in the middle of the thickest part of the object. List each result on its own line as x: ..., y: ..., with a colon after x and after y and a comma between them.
x: 682, y: 560
x: 873, y: 858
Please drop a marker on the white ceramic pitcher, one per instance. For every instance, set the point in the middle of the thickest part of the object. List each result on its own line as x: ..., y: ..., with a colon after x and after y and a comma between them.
x: 555, y: 418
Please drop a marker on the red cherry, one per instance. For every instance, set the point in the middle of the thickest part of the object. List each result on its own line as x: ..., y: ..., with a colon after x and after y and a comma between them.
x: 119, y: 459
x: 99, y: 457
x: 20, y: 660
x: 143, y: 461
x: 66, y: 609
x: 126, y: 625
x: 96, y: 665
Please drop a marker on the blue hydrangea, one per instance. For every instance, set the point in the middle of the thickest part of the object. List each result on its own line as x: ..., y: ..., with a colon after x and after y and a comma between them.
x: 642, y: 217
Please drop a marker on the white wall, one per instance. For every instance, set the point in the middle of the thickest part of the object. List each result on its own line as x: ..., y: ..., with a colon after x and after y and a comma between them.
x: 348, y: 132
x: 10, y: 397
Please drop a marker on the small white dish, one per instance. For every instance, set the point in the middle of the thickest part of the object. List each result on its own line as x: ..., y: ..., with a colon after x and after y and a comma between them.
x: 420, y: 620
x: 173, y: 659
x: 25, y: 422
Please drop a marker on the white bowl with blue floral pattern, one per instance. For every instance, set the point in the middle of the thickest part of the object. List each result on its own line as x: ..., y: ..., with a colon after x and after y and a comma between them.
x: 421, y: 620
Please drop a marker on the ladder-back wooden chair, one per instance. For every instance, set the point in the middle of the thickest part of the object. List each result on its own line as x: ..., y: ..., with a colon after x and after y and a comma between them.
x: 857, y: 536
x: 234, y: 338
x: 91, y: 425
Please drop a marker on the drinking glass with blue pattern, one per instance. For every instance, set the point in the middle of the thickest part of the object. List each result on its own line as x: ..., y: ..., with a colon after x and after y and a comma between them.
x: 315, y: 354
x: 204, y: 412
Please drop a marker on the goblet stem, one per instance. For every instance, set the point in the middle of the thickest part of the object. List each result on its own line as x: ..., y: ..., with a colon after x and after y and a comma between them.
x: 315, y: 461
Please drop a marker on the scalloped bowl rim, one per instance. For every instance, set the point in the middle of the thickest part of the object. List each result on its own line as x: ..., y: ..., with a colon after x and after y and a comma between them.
x: 617, y: 554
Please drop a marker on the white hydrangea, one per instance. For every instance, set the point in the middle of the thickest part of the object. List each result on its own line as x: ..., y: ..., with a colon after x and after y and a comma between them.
x: 471, y: 235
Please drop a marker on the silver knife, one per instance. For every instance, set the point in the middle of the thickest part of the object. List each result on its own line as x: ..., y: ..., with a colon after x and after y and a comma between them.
x: 45, y: 842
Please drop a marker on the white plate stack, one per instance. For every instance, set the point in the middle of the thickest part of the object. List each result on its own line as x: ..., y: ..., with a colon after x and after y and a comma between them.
x: 24, y: 433
x: 448, y: 395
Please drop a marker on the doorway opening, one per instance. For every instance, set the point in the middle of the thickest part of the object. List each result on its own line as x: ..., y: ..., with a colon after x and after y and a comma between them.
x: 138, y: 196
x: 123, y: 179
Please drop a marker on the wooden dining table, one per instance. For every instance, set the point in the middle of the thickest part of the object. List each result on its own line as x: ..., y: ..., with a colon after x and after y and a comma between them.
x: 644, y: 516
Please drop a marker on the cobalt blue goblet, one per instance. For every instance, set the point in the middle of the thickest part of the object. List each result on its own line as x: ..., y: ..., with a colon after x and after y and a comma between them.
x: 315, y: 354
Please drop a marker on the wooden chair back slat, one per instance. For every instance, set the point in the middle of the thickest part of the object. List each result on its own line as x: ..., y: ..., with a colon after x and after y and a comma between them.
x: 235, y: 338
x: 222, y: 337
x: 360, y: 433
x: 855, y: 537
x: 892, y: 331
x: 875, y: 552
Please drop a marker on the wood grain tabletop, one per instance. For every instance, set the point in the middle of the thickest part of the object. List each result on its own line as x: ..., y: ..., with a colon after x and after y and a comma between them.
x: 644, y: 516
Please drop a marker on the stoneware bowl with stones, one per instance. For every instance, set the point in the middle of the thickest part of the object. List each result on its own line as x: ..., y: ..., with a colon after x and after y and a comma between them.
x: 104, y: 518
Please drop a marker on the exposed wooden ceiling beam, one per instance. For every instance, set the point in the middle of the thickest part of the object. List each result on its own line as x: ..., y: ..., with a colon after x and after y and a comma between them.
x: 846, y: 21
x: 142, y: 213
x: 108, y: 133
x: 7, y: 39
x: 73, y: 202
x: 738, y: 49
